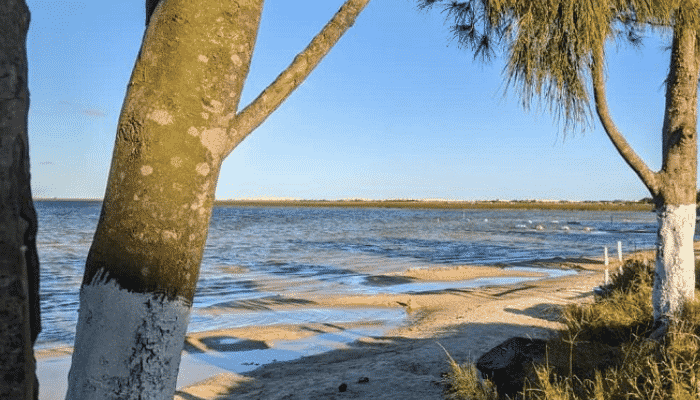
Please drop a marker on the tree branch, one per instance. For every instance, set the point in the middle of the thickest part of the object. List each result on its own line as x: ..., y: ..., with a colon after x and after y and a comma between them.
x: 270, y: 99
x: 648, y: 177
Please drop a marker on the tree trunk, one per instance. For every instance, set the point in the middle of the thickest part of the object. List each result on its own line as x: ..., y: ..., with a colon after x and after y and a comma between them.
x: 674, y: 187
x: 178, y: 123
x: 143, y: 265
x: 19, y: 265
x: 674, y: 283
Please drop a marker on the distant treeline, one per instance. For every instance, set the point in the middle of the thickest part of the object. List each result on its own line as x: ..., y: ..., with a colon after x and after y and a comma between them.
x: 437, y: 204
x: 617, y: 205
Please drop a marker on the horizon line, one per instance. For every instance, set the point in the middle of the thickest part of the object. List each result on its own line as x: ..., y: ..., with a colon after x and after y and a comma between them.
x: 357, y: 199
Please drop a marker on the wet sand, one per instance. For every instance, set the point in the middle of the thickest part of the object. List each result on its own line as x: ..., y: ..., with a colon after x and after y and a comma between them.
x: 400, y: 361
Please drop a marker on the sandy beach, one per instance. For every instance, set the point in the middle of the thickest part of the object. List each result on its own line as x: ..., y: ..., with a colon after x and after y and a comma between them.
x: 407, y: 361
x: 374, y: 361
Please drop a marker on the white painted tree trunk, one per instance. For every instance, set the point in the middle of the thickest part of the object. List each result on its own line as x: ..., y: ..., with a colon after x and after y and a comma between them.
x: 674, y: 282
x: 180, y: 119
x: 140, y: 337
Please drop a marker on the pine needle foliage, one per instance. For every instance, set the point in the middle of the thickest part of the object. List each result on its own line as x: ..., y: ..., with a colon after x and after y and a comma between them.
x: 549, y: 43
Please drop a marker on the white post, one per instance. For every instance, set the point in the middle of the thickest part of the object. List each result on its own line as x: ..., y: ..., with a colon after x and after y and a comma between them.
x: 606, y: 256
x: 607, y: 277
x: 619, y: 251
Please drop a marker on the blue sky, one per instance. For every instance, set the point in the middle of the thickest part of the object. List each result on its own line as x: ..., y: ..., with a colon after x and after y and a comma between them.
x: 396, y: 110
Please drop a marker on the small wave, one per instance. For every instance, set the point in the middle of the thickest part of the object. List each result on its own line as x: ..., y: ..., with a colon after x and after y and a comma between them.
x: 232, y: 269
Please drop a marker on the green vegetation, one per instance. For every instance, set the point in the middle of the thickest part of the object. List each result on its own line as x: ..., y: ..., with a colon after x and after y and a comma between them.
x: 444, y: 204
x: 623, y: 318
x: 617, y: 205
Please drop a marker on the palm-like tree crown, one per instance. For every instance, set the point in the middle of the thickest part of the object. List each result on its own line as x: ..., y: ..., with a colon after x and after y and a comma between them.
x: 549, y: 43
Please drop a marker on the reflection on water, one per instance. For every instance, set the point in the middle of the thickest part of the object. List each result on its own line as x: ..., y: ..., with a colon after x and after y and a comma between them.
x: 253, y: 254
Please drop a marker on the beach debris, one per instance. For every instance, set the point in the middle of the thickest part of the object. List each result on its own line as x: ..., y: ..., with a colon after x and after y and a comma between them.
x: 250, y: 363
x: 363, y: 379
x: 408, y: 305
x: 343, y: 387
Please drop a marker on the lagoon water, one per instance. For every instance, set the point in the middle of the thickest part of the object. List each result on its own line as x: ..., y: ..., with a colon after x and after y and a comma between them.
x: 257, y: 256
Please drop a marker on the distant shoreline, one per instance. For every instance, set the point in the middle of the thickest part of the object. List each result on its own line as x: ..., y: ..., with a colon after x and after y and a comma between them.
x: 427, y: 204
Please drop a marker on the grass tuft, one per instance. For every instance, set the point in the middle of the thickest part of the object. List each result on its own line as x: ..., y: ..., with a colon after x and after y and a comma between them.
x: 465, y: 383
x: 622, y: 317
x: 635, y: 274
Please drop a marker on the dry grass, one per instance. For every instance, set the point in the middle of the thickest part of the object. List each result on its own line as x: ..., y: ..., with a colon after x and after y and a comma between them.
x: 465, y: 383
x: 623, y: 318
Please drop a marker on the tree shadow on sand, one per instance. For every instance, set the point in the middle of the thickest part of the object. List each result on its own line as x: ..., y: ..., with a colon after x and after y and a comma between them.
x: 386, y: 367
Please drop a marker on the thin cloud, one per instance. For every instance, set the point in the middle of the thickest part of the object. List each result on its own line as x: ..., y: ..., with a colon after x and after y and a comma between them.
x: 65, y: 106
x: 94, y: 113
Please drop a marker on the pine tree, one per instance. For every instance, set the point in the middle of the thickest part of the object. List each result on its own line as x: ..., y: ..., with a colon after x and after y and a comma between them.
x: 555, y: 51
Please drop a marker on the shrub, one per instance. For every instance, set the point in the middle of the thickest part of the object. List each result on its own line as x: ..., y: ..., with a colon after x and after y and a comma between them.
x: 621, y: 317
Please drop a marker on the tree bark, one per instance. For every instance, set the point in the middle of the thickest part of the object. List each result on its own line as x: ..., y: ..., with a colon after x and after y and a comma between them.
x: 674, y: 187
x: 178, y: 123
x: 19, y: 265
x: 674, y: 282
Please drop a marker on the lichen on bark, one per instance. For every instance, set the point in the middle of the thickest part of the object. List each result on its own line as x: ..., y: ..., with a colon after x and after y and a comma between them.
x: 174, y: 131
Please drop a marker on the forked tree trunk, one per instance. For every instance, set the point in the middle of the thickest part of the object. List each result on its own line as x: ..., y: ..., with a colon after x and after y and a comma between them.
x: 143, y: 264
x: 674, y: 186
x: 674, y: 282
x: 179, y: 121
x: 19, y: 265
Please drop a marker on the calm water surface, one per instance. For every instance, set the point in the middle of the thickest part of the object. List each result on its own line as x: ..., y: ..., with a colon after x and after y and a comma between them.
x: 254, y: 255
